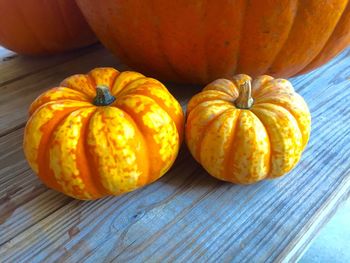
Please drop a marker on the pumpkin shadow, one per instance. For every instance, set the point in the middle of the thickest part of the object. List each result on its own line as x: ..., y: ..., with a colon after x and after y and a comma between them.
x: 187, y: 173
x: 183, y: 92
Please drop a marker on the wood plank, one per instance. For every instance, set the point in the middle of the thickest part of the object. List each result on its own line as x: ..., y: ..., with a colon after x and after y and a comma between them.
x: 187, y: 215
x: 23, y: 199
x: 294, y: 251
x: 14, y: 66
x: 17, y: 96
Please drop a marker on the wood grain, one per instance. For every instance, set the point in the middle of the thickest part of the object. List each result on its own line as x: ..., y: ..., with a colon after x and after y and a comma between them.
x: 23, y: 199
x: 186, y: 216
x: 14, y: 66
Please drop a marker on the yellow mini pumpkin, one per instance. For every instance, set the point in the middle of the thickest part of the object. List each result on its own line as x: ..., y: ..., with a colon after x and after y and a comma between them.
x: 103, y: 133
x: 245, y: 130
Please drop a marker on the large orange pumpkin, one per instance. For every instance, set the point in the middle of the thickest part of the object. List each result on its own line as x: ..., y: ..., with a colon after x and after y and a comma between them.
x: 199, y: 41
x: 243, y: 133
x: 43, y: 27
x: 104, y: 133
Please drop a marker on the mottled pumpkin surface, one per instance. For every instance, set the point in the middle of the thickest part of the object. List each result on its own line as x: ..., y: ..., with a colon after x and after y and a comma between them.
x: 199, y: 41
x: 89, y: 151
x: 247, y: 145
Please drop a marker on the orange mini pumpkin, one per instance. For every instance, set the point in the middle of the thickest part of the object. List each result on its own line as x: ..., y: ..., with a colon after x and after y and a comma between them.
x: 104, y: 133
x: 243, y: 133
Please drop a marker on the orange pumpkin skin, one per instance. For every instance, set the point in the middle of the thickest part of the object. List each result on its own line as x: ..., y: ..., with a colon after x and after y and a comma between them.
x: 199, y: 41
x: 247, y: 145
x: 87, y: 151
x: 37, y: 27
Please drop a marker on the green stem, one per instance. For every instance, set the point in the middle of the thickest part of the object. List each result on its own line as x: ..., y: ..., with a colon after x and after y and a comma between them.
x: 103, y: 96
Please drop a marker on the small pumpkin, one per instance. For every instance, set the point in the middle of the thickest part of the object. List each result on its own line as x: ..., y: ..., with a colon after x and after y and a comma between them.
x: 103, y: 133
x: 243, y: 130
x: 37, y: 27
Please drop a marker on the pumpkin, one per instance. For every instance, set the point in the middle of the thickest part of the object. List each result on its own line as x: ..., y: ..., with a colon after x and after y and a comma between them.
x: 103, y: 133
x: 36, y: 27
x: 200, y: 41
x: 243, y: 130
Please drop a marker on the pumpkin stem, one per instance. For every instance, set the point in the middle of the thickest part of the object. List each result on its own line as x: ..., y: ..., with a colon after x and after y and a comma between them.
x: 103, y: 96
x: 244, y: 99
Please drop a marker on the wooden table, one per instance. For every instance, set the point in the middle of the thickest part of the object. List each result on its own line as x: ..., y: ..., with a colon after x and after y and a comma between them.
x: 186, y: 216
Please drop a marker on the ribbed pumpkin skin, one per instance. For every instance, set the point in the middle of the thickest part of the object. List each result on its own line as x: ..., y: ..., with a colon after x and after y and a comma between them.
x: 245, y: 146
x: 87, y: 151
x: 37, y: 27
x: 199, y: 41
